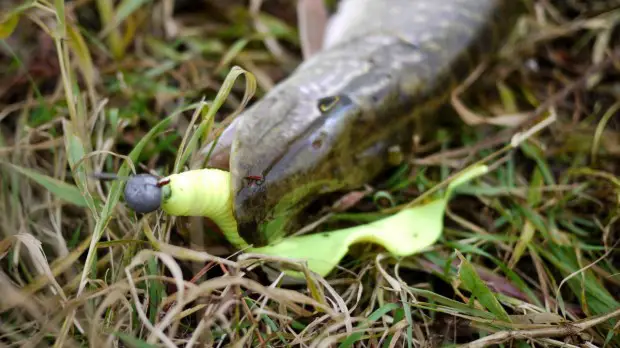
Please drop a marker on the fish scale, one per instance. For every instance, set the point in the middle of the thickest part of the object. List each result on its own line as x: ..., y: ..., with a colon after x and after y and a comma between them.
x: 385, y: 68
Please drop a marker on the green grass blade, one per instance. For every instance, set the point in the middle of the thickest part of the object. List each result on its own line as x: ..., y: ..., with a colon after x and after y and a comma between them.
x: 8, y: 25
x: 467, y: 274
x: 75, y: 154
x: 220, y: 98
x: 80, y: 50
x: 61, y: 189
x: 126, y: 8
x: 59, y: 6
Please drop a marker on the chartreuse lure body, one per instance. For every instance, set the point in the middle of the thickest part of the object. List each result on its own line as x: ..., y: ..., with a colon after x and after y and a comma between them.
x: 206, y: 192
x: 203, y: 192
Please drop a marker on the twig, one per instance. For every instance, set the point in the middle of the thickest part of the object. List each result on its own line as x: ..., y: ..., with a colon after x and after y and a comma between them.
x: 568, y: 329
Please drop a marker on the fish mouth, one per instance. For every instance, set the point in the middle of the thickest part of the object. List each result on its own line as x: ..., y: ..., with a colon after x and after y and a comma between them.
x: 270, y: 191
x: 269, y: 206
x: 267, y: 211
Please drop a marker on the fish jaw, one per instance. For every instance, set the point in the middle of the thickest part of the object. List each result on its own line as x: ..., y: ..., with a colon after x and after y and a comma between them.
x: 275, y: 178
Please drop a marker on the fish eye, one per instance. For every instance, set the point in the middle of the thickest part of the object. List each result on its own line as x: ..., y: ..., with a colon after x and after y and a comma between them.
x: 327, y: 103
x: 334, y: 102
x: 143, y: 194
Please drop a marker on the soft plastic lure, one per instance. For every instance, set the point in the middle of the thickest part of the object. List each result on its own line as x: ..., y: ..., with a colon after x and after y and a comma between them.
x: 202, y: 192
x: 206, y: 192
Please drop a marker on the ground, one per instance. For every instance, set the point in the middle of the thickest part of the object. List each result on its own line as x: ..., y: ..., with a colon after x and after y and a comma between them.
x: 528, y: 255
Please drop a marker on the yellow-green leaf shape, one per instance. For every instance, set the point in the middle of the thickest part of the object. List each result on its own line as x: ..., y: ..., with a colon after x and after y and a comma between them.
x: 403, y: 234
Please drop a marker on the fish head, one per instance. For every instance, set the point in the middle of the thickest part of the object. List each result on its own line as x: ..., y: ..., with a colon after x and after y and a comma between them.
x: 288, y: 150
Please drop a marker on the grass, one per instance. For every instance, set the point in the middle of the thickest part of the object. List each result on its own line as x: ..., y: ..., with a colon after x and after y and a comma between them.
x: 528, y: 255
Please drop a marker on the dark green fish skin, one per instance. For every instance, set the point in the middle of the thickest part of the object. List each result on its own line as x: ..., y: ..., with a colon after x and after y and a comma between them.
x: 386, y: 68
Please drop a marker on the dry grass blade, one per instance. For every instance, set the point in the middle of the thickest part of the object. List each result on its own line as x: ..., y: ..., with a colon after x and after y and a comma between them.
x: 470, y: 117
x: 569, y: 329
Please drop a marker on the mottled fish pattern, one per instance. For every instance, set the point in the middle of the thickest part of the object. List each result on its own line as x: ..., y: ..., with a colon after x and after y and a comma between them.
x: 386, y: 66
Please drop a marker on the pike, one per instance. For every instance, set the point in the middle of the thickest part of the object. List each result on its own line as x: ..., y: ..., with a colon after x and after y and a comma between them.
x: 385, y: 68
